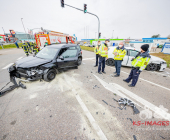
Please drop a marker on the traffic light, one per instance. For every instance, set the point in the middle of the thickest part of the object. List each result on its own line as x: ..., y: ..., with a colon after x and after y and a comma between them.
x: 99, y: 35
x: 85, y: 8
x: 62, y: 3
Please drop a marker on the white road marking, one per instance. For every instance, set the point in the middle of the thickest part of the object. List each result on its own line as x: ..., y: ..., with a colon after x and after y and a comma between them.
x: 167, y: 74
x: 8, y: 66
x: 119, y: 89
x: 90, y: 118
x: 147, y: 81
x: 89, y: 58
x: 19, y: 58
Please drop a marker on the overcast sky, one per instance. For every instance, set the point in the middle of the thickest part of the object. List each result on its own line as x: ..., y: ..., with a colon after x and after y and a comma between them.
x: 128, y: 18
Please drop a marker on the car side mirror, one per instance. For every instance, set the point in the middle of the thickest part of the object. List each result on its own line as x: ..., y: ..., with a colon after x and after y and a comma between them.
x: 61, y: 57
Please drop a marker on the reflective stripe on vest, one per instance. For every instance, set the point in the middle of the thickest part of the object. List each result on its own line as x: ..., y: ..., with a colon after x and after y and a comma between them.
x: 103, y: 51
x: 121, y: 54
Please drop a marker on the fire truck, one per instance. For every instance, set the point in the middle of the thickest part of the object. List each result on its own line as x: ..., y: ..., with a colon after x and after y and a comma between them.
x: 52, y: 37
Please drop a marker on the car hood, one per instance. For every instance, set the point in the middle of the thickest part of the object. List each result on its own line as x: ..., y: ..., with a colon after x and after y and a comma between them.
x: 154, y: 58
x: 31, y: 61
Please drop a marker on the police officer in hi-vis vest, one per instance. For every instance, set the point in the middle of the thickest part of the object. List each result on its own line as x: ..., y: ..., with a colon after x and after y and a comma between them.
x: 96, y: 51
x: 139, y: 63
x: 119, y: 53
x: 103, y: 52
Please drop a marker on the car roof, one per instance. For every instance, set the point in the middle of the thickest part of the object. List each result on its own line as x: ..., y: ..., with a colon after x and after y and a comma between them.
x: 61, y: 45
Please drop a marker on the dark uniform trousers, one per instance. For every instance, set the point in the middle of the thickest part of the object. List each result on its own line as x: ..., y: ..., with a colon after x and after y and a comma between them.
x: 101, y: 63
x: 118, y: 64
x: 97, y: 58
x: 133, y: 76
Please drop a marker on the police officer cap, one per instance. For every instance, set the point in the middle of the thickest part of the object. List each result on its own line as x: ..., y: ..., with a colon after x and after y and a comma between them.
x: 145, y: 47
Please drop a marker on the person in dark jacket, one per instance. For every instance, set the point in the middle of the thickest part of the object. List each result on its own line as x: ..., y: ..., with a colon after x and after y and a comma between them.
x: 139, y: 63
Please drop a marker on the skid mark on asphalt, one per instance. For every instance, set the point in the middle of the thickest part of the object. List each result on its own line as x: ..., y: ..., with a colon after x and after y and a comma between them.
x: 118, y: 89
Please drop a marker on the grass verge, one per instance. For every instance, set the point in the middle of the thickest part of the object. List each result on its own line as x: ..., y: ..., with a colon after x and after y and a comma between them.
x: 9, y: 46
x: 87, y: 48
x: 165, y: 57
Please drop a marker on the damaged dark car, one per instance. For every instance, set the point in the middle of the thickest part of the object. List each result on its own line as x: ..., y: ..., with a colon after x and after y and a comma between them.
x: 46, y: 63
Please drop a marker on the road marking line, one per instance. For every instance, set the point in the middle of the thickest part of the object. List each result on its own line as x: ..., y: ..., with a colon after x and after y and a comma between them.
x: 19, y: 58
x: 89, y: 58
x: 113, y: 87
x: 148, y: 81
x: 160, y: 74
x: 90, y: 118
x: 8, y: 66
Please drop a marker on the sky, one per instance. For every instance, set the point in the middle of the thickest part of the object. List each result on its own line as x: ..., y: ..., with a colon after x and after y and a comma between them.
x: 118, y: 18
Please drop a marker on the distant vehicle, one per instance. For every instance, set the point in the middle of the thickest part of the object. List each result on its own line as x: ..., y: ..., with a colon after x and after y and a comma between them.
x: 155, y: 63
x: 47, y: 62
x: 91, y: 45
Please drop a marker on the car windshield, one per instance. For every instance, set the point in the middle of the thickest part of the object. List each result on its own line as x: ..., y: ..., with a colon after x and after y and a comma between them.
x: 47, y: 53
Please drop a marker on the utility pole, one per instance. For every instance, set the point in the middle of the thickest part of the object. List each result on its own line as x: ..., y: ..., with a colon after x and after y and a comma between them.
x: 85, y: 11
x: 3, y: 30
x: 24, y: 27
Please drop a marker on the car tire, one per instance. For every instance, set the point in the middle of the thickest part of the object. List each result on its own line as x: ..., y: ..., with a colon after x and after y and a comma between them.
x: 50, y: 75
x: 151, y: 67
x: 79, y: 61
x: 110, y: 62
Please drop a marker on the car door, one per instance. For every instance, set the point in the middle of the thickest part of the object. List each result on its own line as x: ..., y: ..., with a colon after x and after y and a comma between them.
x: 125, y: 59
x: 131, y: 54
x: 69, y: 56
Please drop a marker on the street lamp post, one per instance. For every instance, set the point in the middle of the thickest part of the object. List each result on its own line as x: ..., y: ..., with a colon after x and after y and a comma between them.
x: 24, y: 27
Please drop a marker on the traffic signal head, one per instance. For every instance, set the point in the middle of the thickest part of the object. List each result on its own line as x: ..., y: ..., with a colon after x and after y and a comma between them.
x: 85, y: 8
x: 62, y: 3
x: 99, y: 35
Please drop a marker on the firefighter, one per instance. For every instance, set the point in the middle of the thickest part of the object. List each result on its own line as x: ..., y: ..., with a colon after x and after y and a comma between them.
x: 139, y: 63
x: 35, y: 48
x: 119, y: 53
x: 46, y: 43
x: 96, y: 51
x: 29, y: 47
x: 103, y: 52
x: 25, y: 48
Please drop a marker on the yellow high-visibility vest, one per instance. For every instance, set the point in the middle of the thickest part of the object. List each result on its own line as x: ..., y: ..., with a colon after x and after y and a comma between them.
x: 120, y: 54
x: 140, y: 62
x: 103, y: 51
x: 96, y: 49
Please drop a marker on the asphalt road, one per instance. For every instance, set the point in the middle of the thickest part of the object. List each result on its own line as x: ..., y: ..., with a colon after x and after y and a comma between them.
x: 79, y: 104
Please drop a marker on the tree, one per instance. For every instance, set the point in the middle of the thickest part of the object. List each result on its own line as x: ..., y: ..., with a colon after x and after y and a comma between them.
x: 156, y: 36
x: 168, y: 37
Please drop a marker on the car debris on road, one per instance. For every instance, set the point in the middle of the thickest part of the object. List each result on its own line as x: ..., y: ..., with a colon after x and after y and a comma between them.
x: 125, y: 102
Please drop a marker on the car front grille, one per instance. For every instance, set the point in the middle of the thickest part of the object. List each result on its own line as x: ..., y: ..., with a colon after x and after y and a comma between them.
x: 22, y: 70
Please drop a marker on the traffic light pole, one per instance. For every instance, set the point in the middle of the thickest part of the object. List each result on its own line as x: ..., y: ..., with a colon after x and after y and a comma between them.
x: 90, y: 14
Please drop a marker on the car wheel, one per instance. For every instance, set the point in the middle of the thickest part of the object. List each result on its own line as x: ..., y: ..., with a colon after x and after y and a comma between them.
x: 50, y: 75
x: 110, y: 62
x: 151, y: 67
x: 79, y: 61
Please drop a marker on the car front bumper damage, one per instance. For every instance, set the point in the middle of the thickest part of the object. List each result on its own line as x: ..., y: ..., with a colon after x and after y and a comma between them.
x: 29, y: 74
